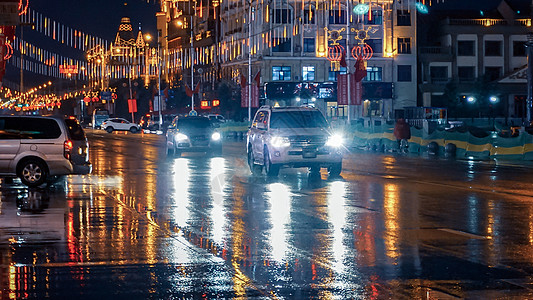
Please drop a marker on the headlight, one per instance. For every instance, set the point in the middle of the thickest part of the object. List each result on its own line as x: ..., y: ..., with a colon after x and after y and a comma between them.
x: 180, y: 137
x: 215, y: 136
x: 278, y: 141
x: 335, y: 140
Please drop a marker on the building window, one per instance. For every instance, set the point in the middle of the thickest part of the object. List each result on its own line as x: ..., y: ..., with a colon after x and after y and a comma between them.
x: 308, y: 73
x: 439, y: 73
x: 493, y: 73
x: 376, y: 18
x: 332, y: 75
x: 281, y: 73
x: 466, y: 73
x: 404, y: 73
x: 519, y: 48
x: 337, y: 16
x: 376, y: 45
x: 309, y: 15
x: 281, y: 45
x: 282, y: 16
x: 309, y: 44
x: 374, y: 74
x: 404, y: 45
x: 465, y: 48
x: 403, y: 17
x: 493, y: 48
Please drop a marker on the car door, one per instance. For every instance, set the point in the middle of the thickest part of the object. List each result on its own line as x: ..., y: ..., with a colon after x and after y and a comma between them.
x: 9, y: 142
x: 258, y: 130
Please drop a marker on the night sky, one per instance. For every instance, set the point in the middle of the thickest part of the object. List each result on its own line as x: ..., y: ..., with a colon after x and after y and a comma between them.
x: 99, y: 18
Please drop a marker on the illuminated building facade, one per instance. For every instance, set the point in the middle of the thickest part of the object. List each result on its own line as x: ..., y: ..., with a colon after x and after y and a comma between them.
x: 473, y: 57
x: 288, y: 42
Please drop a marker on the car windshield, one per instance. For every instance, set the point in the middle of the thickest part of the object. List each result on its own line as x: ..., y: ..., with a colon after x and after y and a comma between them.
x: 298, y: 119
x: 186, y: 123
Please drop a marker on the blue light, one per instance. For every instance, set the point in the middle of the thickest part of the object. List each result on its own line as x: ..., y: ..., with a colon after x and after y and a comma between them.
x: 361, y: 9
x: 423, y: 9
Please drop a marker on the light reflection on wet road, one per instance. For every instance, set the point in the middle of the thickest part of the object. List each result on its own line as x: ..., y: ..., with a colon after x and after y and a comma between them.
x: 147, y: 226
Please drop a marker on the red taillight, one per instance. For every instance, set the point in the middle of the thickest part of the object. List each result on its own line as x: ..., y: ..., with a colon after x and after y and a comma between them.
x: 67, y: 148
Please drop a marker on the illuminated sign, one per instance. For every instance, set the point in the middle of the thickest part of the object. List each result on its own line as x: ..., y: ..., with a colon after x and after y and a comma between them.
x: 204, y: 104
x: 68, y: 69
x: 216, y: 102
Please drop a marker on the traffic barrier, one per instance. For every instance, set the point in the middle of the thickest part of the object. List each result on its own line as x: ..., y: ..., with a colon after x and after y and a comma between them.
x: 461, y: 144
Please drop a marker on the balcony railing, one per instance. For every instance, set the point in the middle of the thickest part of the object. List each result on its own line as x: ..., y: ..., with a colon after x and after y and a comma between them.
x: 488, y: 22
x: 435, y: 50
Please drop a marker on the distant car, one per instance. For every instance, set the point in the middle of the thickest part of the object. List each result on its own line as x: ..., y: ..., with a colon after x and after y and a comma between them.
x: 193, y: 134
x: 218, y: 118
x: 112, y: 124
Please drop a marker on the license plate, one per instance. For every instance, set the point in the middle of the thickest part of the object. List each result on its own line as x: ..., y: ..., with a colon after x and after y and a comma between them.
x: 311, y: 153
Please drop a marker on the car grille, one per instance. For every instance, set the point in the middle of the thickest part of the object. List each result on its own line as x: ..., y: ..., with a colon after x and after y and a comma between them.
x: 307, y: 140
x: 199, y: 140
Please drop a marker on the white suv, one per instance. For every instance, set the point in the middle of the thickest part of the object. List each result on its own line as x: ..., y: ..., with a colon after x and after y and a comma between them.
x: 38, y: 149
x: 293, y: 137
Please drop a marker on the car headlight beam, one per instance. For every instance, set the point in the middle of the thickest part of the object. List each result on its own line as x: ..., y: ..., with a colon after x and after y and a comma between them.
x: 215, y: 136
x: 180, y: 137
x: 335, y: 140
x: 278, y: 141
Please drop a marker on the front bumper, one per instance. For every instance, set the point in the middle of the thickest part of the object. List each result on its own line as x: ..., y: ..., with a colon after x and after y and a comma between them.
x: 302, y: 157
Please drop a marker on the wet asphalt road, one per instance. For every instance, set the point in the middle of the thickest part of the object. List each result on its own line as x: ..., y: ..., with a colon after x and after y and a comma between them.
x: 146, y: 226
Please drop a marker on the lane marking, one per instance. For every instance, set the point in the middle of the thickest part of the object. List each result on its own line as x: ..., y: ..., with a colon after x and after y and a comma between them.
x: 465, y: 234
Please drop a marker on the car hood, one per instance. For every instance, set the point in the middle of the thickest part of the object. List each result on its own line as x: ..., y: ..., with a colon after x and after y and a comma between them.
x: 196, y: 131
x: 300, y: 131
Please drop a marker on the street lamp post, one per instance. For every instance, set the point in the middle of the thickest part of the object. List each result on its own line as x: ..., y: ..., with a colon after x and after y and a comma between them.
x: 529, y: 102
x: 250, y: 63
x: 159, y: 82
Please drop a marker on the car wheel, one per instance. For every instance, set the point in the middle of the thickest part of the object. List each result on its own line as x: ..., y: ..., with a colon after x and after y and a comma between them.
x: 335, y: 169
x: 133, y: 129
x: 254, y: 168
x: 109, y: 129
x: 314, y: 170
x: 32, y: 172
x: 270, y: 168
x: 177, y: 153
x: 170, y: 150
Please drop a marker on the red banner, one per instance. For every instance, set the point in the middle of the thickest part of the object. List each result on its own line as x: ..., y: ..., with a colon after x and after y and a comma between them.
x: 132, y: 105
x: 342, y: 89
x: 255, y: 96
x: 357, y: 93
x: 244, y: 96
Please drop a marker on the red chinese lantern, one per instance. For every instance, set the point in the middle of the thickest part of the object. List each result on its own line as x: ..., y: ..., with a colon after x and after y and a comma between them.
x: 364, y: 51
x: 95, y: 99
x: 335, y: 52
x: 87, y: 100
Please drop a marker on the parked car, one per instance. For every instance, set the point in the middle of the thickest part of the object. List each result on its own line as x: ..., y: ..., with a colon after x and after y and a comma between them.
x: 113, y: 124
x: 193, y: 134
x: 292, y: 137
x: 38, y: 149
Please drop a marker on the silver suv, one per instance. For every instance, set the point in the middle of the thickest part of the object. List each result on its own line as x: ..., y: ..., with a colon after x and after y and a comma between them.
x: 293, y: 137
x: 38, y: 149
